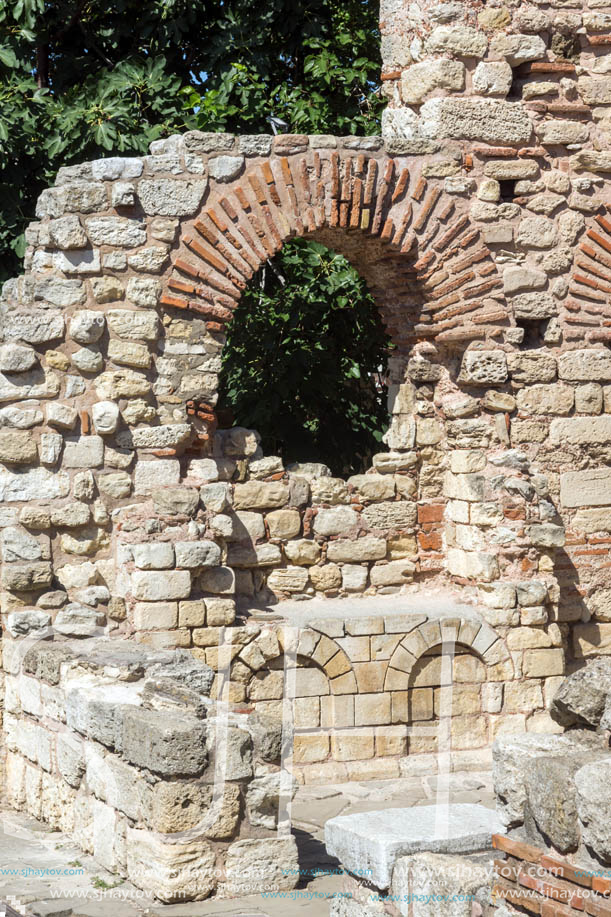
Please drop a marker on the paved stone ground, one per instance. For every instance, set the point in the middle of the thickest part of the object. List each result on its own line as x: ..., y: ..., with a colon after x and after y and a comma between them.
x: 27, y: 850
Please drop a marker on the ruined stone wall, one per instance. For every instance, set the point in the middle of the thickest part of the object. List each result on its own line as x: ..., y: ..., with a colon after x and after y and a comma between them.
x: 480, y: 222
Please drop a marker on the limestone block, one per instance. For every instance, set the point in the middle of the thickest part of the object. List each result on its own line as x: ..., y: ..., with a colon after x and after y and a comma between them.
x: 394, y: 573
x: 426, y: 879
x: 153, y: 556
x: 461, y: 40
x: 490, y: 120
x: 581, y: 698
x: 171, y: 197
x: 83, y: 452
x: 21, y: 419
x: 155, y: 615
x: 594, y: 90
x: 591, y: 487
x: 144, y: 291
x: 325, y: 577
x: 469, y: 487
x: 160, y: 586
x: 533, y: 306
x: 126, y: 323
x: 22, y: 623
x: 581, y: 430
x: 585, y: 365
x: 76, y: 620
x: 513, y: 758
x: 325, y: 489
x: 149, y: 476
x: 202, y: 553
x: 591, y: 521
x: 162, y: 742
x: 220, y: 580
x: 284, y: 523
x: 419, y: 80
x: 373, y: 487
x: 594, y: 806
x: 73, y: 515
x: 532, y: 366
x: 129, y: 353
x: 175, y: 500
x: 592, y: 160
x: 88, y: 360
x: 472, y: 565
x: 546, y: 399
x: 390, y: 515
x: 262, y: 555
x: 484, y: 367
x: 17, y: 447
x: 260, y: 495
x: 492, y: 78
x: 28, y: 385
x: 113, y: 230
x: 117, y: 484
x: 558, y: 131
x: 256, y: 864
x: 537, y: 232
x: 216, y: 496
x: 107, y: 289
x: 16, y: 358
x: 552, y: 797
x: 33, y: 327
x: 517, y: 49
x: 335, y: 521
x: 174, y: 872
x: 354, y: 578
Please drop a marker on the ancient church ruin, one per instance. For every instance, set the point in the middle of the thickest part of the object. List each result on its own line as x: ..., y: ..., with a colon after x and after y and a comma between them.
x: 157, y: 668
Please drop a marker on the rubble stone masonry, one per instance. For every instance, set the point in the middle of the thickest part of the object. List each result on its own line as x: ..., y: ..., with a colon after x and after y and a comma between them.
x: 481, y: 222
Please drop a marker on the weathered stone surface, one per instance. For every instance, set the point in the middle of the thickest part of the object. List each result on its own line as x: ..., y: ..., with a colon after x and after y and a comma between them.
x: 517, y: 49
x: 161, y: 742
x: 260, y: 495
x: 593, y: 784
x: 355, y: 551
x: 105, y: 416
x: 29, y: 485
x: 584, y: 488
x: 475, y: 119
x: 546, y: 399
x: 492, y: 78
x: 419, y: 80
x: 534, y: 306
x: 551, y: 797
x: 484, y: 367
x: 171, y: 197
x: 462, y: 40
x: 390, y: 515
x: 170, y: 872
x: 374, y: 841
x: 77, y: 621
x: 532, y: 366
x: 139, y: 326
x: 201, y: 553
x: 581, y: 698
x: 585, y: 365
x: 581, y: 430
x: 83, y: 452
x: 426, y: 879
x: 512, y: 760
x: 17, y: 447
x: 161, y: 586
x: 254, y: 864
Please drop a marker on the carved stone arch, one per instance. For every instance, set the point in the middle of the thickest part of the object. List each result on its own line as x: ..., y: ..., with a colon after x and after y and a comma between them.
x: 478, y: 637
x: 316, y: 649
x: 412, y: 241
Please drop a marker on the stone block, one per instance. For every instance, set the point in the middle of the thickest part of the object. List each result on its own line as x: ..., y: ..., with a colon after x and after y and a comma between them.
x: 163, y: 743
x: 591, y: 640
x: 593, y: 785
x: 173, y: 873
x: 581, y: 430
x: 356, y: 550
x: 490, y: 120
x: 421, y: 882
x: 591, y: 487
x: 256, y: 864
x: 585, y: 365
x: 161, y: 586
x: 421, y: 79
x: 513, y: 758
x: 532, y: 366
x: 580, y: 699
x: 374, y: 841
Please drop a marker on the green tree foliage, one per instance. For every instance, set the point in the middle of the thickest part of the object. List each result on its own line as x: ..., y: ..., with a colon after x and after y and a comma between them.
x: 82, y: 78
x: 305, y: 360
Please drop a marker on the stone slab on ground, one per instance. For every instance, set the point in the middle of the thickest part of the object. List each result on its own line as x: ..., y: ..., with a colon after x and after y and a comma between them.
x: 368, y: 844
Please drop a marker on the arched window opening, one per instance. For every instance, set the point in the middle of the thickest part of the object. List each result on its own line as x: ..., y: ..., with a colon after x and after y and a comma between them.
x: 305, y: 361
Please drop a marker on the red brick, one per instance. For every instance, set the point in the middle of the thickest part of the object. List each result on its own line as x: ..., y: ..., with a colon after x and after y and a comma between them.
x: 432, y: 512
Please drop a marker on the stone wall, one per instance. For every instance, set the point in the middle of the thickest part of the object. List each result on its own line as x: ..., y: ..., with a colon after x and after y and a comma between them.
x: 121, y: 748
x: 480, y: 222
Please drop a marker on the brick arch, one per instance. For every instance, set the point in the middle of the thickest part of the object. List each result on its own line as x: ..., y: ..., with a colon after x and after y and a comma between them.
x: 481, y: 639
x: 413, y: 242
x: 590, y: 280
